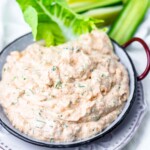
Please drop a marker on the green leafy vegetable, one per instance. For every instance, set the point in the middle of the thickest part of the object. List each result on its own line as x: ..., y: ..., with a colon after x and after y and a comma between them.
x: 54, y: 21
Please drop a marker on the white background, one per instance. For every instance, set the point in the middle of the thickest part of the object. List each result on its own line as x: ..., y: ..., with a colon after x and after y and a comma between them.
x: 12, y: 26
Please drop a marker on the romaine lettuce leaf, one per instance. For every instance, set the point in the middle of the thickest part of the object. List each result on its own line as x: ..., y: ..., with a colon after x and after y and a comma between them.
x: 53, y: 21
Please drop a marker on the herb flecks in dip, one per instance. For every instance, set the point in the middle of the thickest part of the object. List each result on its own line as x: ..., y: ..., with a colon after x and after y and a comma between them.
x: 64, y: 93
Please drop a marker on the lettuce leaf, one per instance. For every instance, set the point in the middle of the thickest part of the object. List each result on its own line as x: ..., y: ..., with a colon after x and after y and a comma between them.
x: 53, y: 21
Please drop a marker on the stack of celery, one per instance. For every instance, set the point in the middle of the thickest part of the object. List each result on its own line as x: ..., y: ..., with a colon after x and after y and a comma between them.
x: 123, y: 16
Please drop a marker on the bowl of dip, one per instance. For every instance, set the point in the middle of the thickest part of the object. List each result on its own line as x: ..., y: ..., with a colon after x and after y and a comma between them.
x: 67, y: 95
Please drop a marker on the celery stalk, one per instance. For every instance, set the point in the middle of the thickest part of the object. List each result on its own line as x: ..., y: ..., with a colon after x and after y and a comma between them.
x: 128, y: 21
x: 108, y: 14
x: 74, y: 1
x: 125, y: 1
x: 90, y: 4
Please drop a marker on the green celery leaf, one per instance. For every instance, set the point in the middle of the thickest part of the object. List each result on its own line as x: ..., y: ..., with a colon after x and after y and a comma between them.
x: 31, y: 17
x: 53, y: 21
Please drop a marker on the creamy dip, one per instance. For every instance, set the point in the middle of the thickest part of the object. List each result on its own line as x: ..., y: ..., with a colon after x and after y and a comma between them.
x: 64, y: 93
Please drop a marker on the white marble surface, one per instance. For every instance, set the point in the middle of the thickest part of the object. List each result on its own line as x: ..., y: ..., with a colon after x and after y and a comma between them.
x: 12, y: 26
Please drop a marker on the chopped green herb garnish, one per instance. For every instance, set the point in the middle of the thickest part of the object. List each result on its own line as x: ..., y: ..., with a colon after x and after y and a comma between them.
x: 119, y: 87
x: 58, y: 85
x: 77, y: 49
x: 14, y: 103
x: 60, y: 115
x: 24, y: 78
x: 66, y: 48
x: 49, y: 99
x: 70, y: 103
x: 83, y: 93
x: 65, y: 125
x: 54, y: 68
x: 51, y: 139
x: 31, y: 91
x: 14, y: 78
x: 38, y: 127
x: 41, y: 121
x: 91, y: 70
x: 102, y: 75
x: 96, y: 118
x: 53, y: 96
x: 40, y: 113
x: 84, y: 67
x: 81, y: 86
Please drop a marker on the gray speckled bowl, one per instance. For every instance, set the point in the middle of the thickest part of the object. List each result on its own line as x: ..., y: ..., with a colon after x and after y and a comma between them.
x: 20, y: 44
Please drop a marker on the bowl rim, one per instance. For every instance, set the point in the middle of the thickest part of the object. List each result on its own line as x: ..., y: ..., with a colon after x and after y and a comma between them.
x: 84, y: 141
